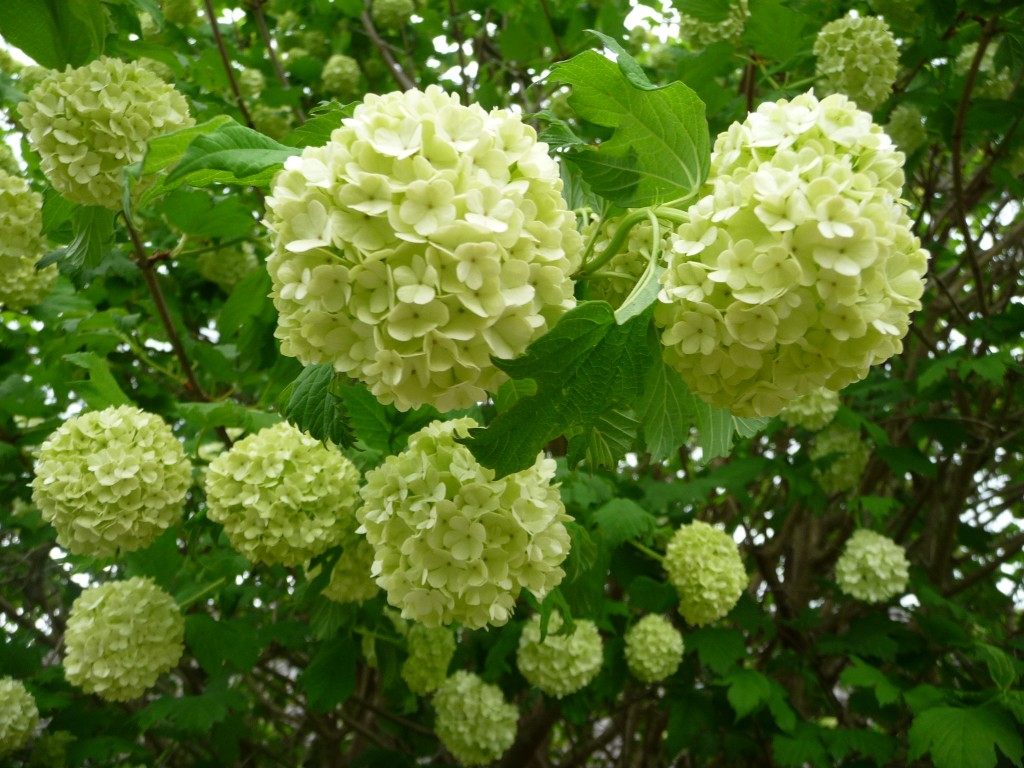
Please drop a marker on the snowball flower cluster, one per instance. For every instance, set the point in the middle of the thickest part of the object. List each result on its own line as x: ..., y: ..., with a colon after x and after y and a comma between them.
x: 561, y: 664
x: 391, y: 14
x: 340, y: 75
x: 452, y: 542
x: 797, y: 268
x: 121, y: 636
x: 350, y: 578
x: 991, y: 83
x: 858, y: 57
x: 654, y: 649
x: 251, y: 82
x: 21, y: 222
x: 704, y: 565
x: 474, y: 722
x: 614, y: 281
x: 89, y: 123
x: 906, y: 127
x: 849, y: 456
x: 19, y: 715
x: 275, y: 122
x: 424, y: 238
x: 430, y: 652
x: 227, y: 267
x: 282, y: 496
x: 111, y: 480
x: 698, y: 34
x: 811, y: 411
x: 872, y: 568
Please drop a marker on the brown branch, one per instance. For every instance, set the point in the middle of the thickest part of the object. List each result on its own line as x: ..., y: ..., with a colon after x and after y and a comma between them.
x: 460, y: 41
x: 282, y: 77
x: 11, y: 612
x: 1011, y: 548
x: 404, y: 80
x: 211, y: 16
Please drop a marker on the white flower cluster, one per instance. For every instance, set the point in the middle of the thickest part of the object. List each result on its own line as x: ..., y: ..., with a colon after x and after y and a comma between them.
x: 797, y: 269
x: 19, y: 715
x: 392, y: 15
x: 89, y: 123
x: 906, y: 128
x: 111, y: 480
x: 227, y: 267
x: 561, y: 664
x: 351, y: 581
x: 858, y: 57
x: 21, y: 245
x: 654, y: 649
x: 699, y: 35
x: 850, y: 456
x: 282, y: 496
x: 452, y: 542
x: 340, y: 76
x: 813, y: 411
x: 424, y: 238
x: 430, y: 652
x: 474, y: 722
x: 991, y: 83
x: 620, y: 274
x: 704, y: 565
x: 121, y: 636
x: 872, y: 568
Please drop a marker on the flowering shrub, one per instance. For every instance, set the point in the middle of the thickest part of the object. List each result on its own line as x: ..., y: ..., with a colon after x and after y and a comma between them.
x: 561, y: 664
x: 699, y: 34
x: 340, y: 75
x: 849, y: 458
x: 350, y: 578
x: 814, y: 410
x: 858, y: 57
x: 906, y: 127
x: 227, y: 267
x: 704, y: 565
x: 872, y: 568
x: 474, y: 722
x: 654, y: 649
x: 391, y: 14
x: 430, y: 652
x: 19, y: 715
x: 991, y: 82
x: 21, y: 221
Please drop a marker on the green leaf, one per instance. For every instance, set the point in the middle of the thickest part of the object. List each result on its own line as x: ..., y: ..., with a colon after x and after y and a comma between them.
x: 370, y: 419
x: 645, y: 292
x: 775, y: 31
x: 622, y: 519
x: 101, y: 390
x: 605, y: 443
x: 863, y: 675
x: 330, y: 677
x: 748, y: 690
x: 652, y: 596
x: 93, y: 228
x: 667, y: 411
x: 718, y: 649
x: 801, y: 749
x: 512, y: 391
x: 1000, y: 665
x: 711, y: 11
x: 317, y: 130
x: 992, y: 368
x: 314, y: 406
x: 199, y: 214
x: 55, y: 32
x: 195, y: 714
x: 876, y: 746
x: 226, y: 413
x: 214, y: 642
x: 965, y: 737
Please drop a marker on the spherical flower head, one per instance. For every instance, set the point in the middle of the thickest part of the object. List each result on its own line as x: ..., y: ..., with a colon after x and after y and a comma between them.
x: 561, y: 664
x: 341, y: 75
x: 424, y: 238
x: 51, y: 749
x: 19, y: 715
x: 121, y: 636
x: 8, y: 162
x: 620, y: 275
x: 473, y: 720
x: 21, y: 222
x: 704, y: 565
x: 872, y: 568
x: 111, y: 481
x: 813, y: 411
x: 274, y: 122
x: 282, y: 496
x: 179, y: 12
x: 654, y: 649
x: 906, y: 127
x: 251, y: 82
x: 227, y: 267
x: 391, y: 15
x: 990, y: 83
x: 858, y: 57
x: 849, y: 456
x: 89, y: 123
x: 430, y: 652
x: 698, y: 34
x: 797, y: 268
x: 351, y: 581
x: 452, y: 542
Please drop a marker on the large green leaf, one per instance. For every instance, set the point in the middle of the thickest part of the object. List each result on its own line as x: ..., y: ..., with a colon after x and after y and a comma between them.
x: 93, y: 230
x: 55, y: 33
x: 966, y: 737
x: 314, y: 405
x: 101, y: 390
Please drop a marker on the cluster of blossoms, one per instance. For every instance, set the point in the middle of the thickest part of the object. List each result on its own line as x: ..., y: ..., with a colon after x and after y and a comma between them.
x: 424, y: 238
x: 350, y: 578
x: 453, y: 543
x: 227, y: 267
x: 275, y: 122
x: 340, y: 75
x: 251, y: 82
x: 21, y: 222
x: 797, y: 269
x: 857, y: 56
x: 282, y: 496
x: 654, y: 649
x: 698, y: 34
x: 813, y: 411
x: 872, y: 568
x: 179, y: 12
x: 620, y: 274
x: 89, y: 123
x: 991, y: 83
x: 111, y: 480
x: 901, y: 14
x: 474, y: 722
x: 392, y: 14
x: 849, y: 455
x: 561, y: 664
x: 430, y: 652
x: 121, y: 636
x: 51, y: 749
x: 704, y: 565
x: 19, y: 715
x: 906, y: 128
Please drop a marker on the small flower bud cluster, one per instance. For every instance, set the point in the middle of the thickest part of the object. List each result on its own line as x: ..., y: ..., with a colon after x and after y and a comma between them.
x: 275, y: 122
x: 561, y: 664
x: 812, y: 411
x: 391, y: 15
x: 89, y: 123
x: 452, y: 542
x: 474, y: 722
x: 430, y: 652
x: 111, y: 480
x: 849, y: 455
x: 251, y: 82
x: 179, y: 12
x: 872, y: 568
x: 698, y: 34
x: 704, y: 565
x: 351, y: 581
x: 227, y: 267
x: 121, y: 636
x: 423, y: 239
x: 991, y: 83
x: 21, y: 245
x: 620, y: 274
x: 19, y: 715
x: 858, y: 57
x: 906, y: 127
x: 341, y: 75
x: 654, y: 649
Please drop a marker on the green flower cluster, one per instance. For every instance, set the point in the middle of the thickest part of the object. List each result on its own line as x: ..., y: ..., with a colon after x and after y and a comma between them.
x: 872, y: 568
x: 424, y: 238
x: 561, y: 664
x: 474, y: 722
x: 21, y: 245
x: 906, y: 127
x: 698, y: 34
x: 391, y: 15
x: 858, y: 57
x: 849, y: 454
x: 351, y: 581
x: 813, y: 411
x: 121, y: 636
x: 654, y: 649
x: 620, y: 274
x: 227, y: 267
x: 452, y: 542
x: 179, y: 12
x: 251, y: 82
x: 704, y: 565
x: 430, y: 652
x: 340, y: 76
x: 901, y: 14
x: 51, y: 749
x: 282, y: 496
x: 19, y: 715
x: 111, y: 480
x: 275, y: 122
x: 991, y: 83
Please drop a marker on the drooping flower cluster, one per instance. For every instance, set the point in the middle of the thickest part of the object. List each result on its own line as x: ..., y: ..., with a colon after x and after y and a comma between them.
x: 654, y: 648
x: 849, y: 456
x: 704, y: 565
x: 474, y: 722
x: 858, y: 57
x: 561, y: 664
x: 351, y: 581
x: 19, y: 715
x: 121, y: 636
x: 620, y: 274
x: 21, y: 245
x: 872, y: 568
x: 813, y: 411
x: 89, y: 123
x: 430, y: 652
x: 282, y: 496
x: 990, y: 83
x: 797, y: 269
x: 111, y: 480
x: 391, y: 15
x: 424, y: 238
x: 227, y: 267
x: 699, y: 34
x: 452, y: 542
x: 906, y: 128
x: 340, y: 75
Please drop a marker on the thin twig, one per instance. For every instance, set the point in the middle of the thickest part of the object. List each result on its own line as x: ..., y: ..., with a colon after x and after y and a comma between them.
x: 402, y: 77
x: 211, y: 16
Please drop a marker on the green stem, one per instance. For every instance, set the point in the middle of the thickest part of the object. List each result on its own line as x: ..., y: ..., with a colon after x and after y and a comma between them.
x: 648, y: 551
x: 204, y: 591
x: 627, y: 222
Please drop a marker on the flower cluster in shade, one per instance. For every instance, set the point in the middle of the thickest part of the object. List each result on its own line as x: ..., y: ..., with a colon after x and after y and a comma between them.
x: 473, y: 720
x: 906, y: 128
x: 430, y: 652
x: 121, y: 636
x: 858, y: 57
x: 21, y: 245
x: 901, y: 14
x: 111, y: 480
x: 392, y: 15
x: 275, y: 122
x: 561, y: 664
x: 88, y: 123
x: 654, y: 648
x: 350, y: 580
x: 422, y: 239
x: 282, y: 496
x: 699, y: 34
x: 51, y: 749
x: 813, y: 411
x: 991, y: 82
x: 227, y: 267
x: 872, y: 568
x: 614, y: 281
x: 704, y: 565
x: 340, y: 76
x: 797, y: 269
x: 452, y: 542
x: 19, y: 715
x: 847, y: 456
